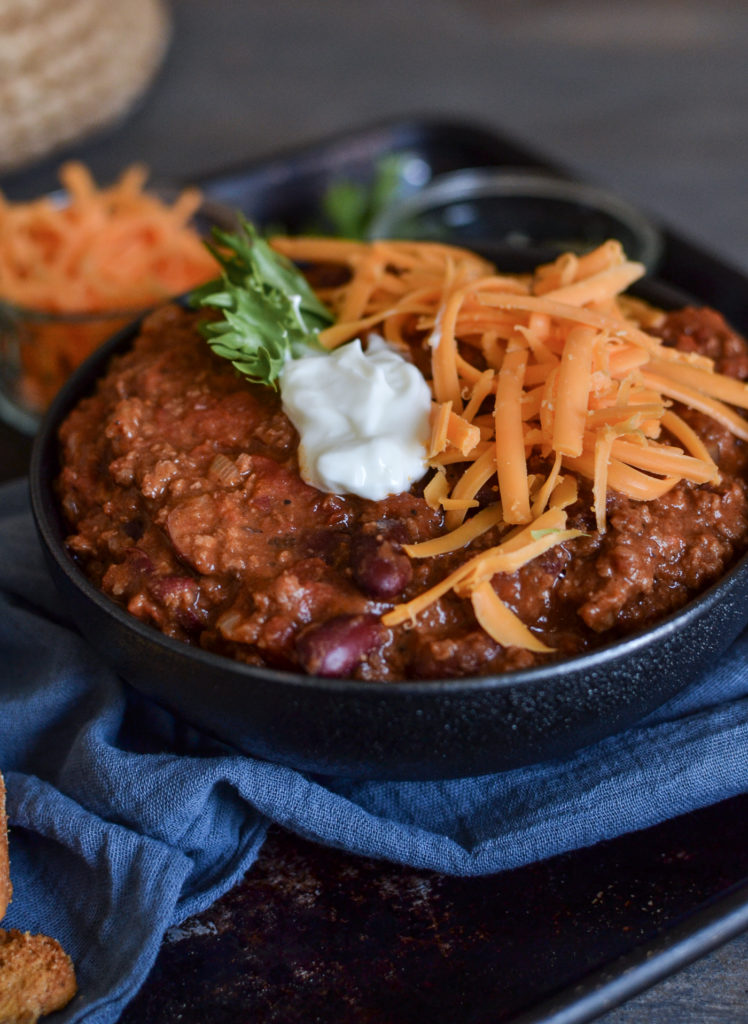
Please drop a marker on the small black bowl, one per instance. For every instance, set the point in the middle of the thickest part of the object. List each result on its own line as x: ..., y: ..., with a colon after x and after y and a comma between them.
x: 519, y: 218
x: 408, y: 730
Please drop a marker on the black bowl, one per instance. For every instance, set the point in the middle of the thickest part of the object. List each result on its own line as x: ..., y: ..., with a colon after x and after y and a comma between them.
x: 410, y: 730
x: 519, y: 218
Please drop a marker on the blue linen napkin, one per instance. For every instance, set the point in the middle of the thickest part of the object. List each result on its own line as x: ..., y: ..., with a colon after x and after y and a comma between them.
x: 124, y: 821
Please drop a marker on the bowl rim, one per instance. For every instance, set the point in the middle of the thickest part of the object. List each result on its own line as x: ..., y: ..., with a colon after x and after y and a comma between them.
x: 48, y: 518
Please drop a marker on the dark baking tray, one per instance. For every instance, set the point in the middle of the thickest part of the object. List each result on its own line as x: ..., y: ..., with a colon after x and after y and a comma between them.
x: 578, y: 934
x: 287, y: 190
x: 315, y: 935
x: 554, y: 943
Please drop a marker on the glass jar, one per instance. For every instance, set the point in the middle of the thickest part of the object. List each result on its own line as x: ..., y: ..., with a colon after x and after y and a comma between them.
x: 39, y: 351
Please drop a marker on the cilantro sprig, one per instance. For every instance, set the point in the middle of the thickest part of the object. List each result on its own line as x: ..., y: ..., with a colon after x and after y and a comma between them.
x: 350, y: 207
x: 269, y: 311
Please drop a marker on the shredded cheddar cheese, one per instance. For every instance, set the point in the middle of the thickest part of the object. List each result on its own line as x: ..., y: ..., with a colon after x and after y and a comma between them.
x: 80, y: 268
x: 114, y: 248
x: 556, y: 365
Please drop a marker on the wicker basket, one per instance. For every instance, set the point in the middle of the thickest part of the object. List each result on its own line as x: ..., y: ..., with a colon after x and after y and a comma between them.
x: 70, y: 67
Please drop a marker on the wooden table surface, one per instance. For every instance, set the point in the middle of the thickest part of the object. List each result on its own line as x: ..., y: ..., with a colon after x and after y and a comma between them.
x: 649, y: 98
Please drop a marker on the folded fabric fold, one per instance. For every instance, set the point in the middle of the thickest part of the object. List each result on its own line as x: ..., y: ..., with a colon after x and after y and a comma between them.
x: 124, y: 821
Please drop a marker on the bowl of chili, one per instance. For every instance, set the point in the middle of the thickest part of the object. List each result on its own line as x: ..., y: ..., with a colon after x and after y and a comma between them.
x: 420, y: 725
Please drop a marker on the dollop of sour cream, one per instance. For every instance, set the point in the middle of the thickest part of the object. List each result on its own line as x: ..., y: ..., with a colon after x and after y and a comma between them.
x: 362, y: 417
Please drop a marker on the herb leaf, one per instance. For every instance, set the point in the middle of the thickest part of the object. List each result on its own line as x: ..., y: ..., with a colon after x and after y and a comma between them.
x: 350, y: 207
x: 537, y: 534
x: 270, y: 313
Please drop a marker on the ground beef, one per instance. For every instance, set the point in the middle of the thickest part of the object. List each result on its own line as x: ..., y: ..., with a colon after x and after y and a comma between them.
x: 706, y: 331
x: 181, y: 487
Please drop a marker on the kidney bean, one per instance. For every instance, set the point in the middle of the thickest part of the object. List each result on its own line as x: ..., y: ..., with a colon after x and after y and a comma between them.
x: 335, y: 647
x: 380, y: 567
x: 138, y: 562
x: 178, y: 594
x: 488, y: 494
x: 329, y: 545
x: 190, y: 621
x: 174, y: 590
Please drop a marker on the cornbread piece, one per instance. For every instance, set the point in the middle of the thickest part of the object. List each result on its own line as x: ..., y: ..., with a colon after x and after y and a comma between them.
x: 36, y: 977
x: 6, y: 889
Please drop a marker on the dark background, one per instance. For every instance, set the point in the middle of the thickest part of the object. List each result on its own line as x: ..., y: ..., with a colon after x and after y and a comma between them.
x: 649, y: 97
